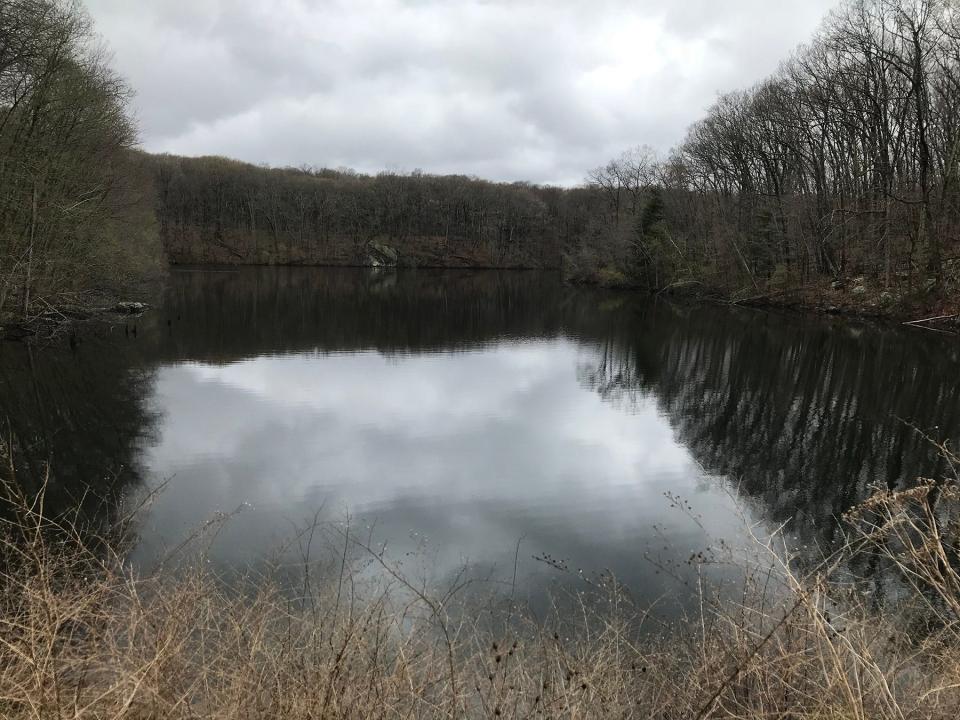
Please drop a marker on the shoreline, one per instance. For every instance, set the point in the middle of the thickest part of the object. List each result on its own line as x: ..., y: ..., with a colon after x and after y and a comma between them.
x: 65, y: 318
x: 938, y: 312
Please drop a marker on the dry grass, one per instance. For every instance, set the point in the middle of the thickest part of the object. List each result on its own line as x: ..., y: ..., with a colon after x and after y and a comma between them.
x: 349, y: 636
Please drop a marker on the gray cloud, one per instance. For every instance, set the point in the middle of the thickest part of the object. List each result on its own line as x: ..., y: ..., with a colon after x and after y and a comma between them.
x: 539, y: 90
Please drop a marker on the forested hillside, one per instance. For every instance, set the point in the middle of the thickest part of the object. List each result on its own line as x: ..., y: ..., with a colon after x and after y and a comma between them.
x: 214, y: 210
x: 840, y: 170
x: 75, y: 211
x: 836, y: 180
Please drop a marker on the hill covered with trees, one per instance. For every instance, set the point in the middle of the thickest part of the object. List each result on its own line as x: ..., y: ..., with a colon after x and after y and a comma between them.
x: 75, y: 203
x: 838, y: 172
x: 214, y: 210
x: 835, y: 181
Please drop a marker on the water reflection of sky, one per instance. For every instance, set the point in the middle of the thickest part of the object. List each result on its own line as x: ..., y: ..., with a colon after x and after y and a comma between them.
x: 473, y: 450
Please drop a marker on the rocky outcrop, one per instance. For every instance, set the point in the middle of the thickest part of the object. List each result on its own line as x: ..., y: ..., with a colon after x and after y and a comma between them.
x: 129, y: 308
x: 381, y: 255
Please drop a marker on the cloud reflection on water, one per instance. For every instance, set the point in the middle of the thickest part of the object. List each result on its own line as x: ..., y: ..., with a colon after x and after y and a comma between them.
x: 472, y: 450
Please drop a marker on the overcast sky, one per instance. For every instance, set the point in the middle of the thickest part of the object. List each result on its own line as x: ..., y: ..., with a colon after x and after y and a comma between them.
x: 537, y: 90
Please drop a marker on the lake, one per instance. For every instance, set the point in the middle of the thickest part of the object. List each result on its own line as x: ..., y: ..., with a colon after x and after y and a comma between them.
x: 501, y: 420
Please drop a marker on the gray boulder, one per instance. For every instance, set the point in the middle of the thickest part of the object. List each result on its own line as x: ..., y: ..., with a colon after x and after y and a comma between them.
x: 381, y: 255
x: 127, y: 307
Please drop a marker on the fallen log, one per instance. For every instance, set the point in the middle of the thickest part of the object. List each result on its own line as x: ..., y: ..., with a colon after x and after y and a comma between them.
x: 938, y: 318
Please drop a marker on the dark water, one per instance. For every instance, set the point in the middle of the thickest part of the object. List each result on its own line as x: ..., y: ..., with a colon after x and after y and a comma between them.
x: 459, y: 414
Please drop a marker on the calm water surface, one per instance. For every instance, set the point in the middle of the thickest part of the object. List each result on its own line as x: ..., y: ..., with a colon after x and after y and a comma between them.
x: 459, y: 414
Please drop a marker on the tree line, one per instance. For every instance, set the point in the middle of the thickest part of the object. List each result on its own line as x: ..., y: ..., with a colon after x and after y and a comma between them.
x: 843, y: 163
x: 215, y: 210
x: 75, y: 214
x: 842, y: 166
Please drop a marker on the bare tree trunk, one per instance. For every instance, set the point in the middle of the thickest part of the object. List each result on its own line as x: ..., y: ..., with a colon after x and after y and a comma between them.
x: 33, y: 232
